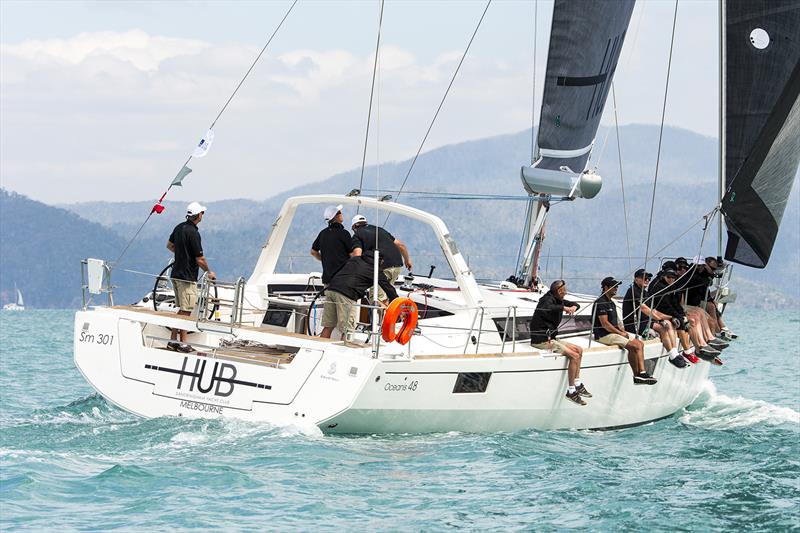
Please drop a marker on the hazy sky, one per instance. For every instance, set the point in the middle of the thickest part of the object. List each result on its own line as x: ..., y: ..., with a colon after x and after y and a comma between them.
x: 104, y: 100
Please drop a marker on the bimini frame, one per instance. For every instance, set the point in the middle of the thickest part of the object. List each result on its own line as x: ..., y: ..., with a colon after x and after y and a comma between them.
x: 265, y: 267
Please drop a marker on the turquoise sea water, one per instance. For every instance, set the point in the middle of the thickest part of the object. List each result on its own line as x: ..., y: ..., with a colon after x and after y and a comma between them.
x: 71, y: 461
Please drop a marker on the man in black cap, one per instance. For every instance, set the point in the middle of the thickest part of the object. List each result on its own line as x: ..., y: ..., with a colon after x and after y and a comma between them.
x: 608, y: 329
x: 703, y: 325
x: 637, y: 316
x: 667, y: 302
x: 544, y: 329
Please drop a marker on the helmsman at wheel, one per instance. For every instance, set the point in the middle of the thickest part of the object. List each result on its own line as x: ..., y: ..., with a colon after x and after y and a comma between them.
x: 185, y: 243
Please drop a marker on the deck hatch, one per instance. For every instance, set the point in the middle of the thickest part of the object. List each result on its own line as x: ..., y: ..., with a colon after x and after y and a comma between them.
x: 472, y: 382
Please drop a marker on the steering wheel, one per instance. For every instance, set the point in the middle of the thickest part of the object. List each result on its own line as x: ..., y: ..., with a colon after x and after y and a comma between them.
x: 165, y: 277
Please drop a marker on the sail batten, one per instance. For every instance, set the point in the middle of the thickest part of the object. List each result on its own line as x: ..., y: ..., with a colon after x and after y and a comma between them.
x: 762, y: 123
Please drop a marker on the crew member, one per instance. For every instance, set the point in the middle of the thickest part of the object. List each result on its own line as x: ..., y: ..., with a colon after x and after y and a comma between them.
x: 346, y: 287
x: 185, y: 243
x: 637, y: 316
x: 609, y: 330
x: 667, y: 302
x: 393, y: 252
x: 332, y: 247
x: 694, y: 278
x: 544, y: 329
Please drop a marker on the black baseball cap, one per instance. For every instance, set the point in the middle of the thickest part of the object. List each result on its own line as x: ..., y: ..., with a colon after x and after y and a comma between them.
x: 681, y: 261
x: 609, y: 282
x: 669, y: 265
x: 669, y: 272
x: 641, y: 273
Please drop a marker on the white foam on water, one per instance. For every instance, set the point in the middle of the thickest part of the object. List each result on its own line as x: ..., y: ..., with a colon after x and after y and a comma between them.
x: 719, y: 411
x: 187, y: 437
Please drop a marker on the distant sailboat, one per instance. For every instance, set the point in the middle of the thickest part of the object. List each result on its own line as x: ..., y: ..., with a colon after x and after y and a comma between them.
x: 19, y: 305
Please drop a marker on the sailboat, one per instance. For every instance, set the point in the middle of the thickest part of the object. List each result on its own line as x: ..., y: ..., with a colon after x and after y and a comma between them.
x: 464, y: 362
x: 19, y: 305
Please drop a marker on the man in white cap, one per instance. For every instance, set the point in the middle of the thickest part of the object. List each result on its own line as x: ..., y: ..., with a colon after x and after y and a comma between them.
x: 393, y: 253
x: 185, y: 243
x: 333, y: 247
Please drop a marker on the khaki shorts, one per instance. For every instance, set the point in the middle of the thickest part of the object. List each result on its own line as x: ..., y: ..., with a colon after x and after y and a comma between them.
x: 391, y: 273
x: 185, y: 294
x: 339, y: 312
x: 614, y: 339
x: 553, y: 346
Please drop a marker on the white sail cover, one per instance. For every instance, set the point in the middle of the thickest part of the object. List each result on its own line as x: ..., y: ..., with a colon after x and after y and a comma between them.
x: 585, y: 44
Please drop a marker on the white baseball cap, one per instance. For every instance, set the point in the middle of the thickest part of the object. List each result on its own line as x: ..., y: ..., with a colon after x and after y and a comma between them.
x: 194, y: 208
x: 331, y: 211
x: 358, y: 219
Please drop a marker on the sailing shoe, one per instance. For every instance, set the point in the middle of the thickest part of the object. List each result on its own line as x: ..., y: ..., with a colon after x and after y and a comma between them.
x: 729, y: 333
x: 575, y: 397
x: 707, y: 353
x: 644, y: 379
x: 717, y: 361
x: 581, y: 389
x: 172, y: 345
x: 723, y: 336
x: 718, y: 344
x: 691, y: 357
x: 185, y: 348
x: 679, y: 361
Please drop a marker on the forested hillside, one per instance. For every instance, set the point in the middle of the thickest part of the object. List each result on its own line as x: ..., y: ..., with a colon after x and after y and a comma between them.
x: 586, y: 239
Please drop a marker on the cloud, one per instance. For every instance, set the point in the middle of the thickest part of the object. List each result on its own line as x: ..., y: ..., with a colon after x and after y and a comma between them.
x: 143, y: 51
x: 112, y: 114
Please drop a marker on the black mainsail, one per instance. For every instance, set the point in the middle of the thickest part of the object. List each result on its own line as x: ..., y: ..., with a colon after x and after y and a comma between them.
x: 761, y: 131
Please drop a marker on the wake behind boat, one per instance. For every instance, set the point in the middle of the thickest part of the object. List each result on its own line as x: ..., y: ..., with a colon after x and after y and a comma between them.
x: 466, y: 362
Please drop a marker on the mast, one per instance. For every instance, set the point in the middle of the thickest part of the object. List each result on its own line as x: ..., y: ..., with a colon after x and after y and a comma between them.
x: 721, y: 135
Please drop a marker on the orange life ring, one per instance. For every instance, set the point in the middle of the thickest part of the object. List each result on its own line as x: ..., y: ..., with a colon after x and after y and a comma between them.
x: 406, y: 310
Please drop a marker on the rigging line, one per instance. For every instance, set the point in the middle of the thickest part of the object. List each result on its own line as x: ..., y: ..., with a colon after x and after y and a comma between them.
x: 446, y: 92
x: 533, y: 88
x: 660, y: 135
x: 371, y: 94
x: 278, y: 27
x: 213, y: 123
x: 621, y: 178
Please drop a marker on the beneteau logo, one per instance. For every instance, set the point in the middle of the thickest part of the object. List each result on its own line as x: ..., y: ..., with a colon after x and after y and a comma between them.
x: 222, y: 378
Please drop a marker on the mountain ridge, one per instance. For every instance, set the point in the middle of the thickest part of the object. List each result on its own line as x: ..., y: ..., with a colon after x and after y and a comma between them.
x: 488, y: 231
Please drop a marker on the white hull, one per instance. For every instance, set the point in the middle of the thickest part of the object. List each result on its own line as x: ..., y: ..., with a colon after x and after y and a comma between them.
x: 469, y: 366
x: 345, y: 390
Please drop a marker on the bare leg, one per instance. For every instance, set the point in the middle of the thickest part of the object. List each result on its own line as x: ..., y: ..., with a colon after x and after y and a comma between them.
x: 635, y: 349
x: 574, y: 353
x: 684, y: 337
x: 326, y: 333
x: 666, y: 336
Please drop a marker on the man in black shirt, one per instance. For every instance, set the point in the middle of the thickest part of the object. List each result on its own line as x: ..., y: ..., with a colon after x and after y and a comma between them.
x: 544, y: 329
x: 607, y: 329
x: 637, y: 314
x: 393, y: 252
x: 332, y: 247
x: 347, y: 286
x: 185, y: 243
x: 333, y: 244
